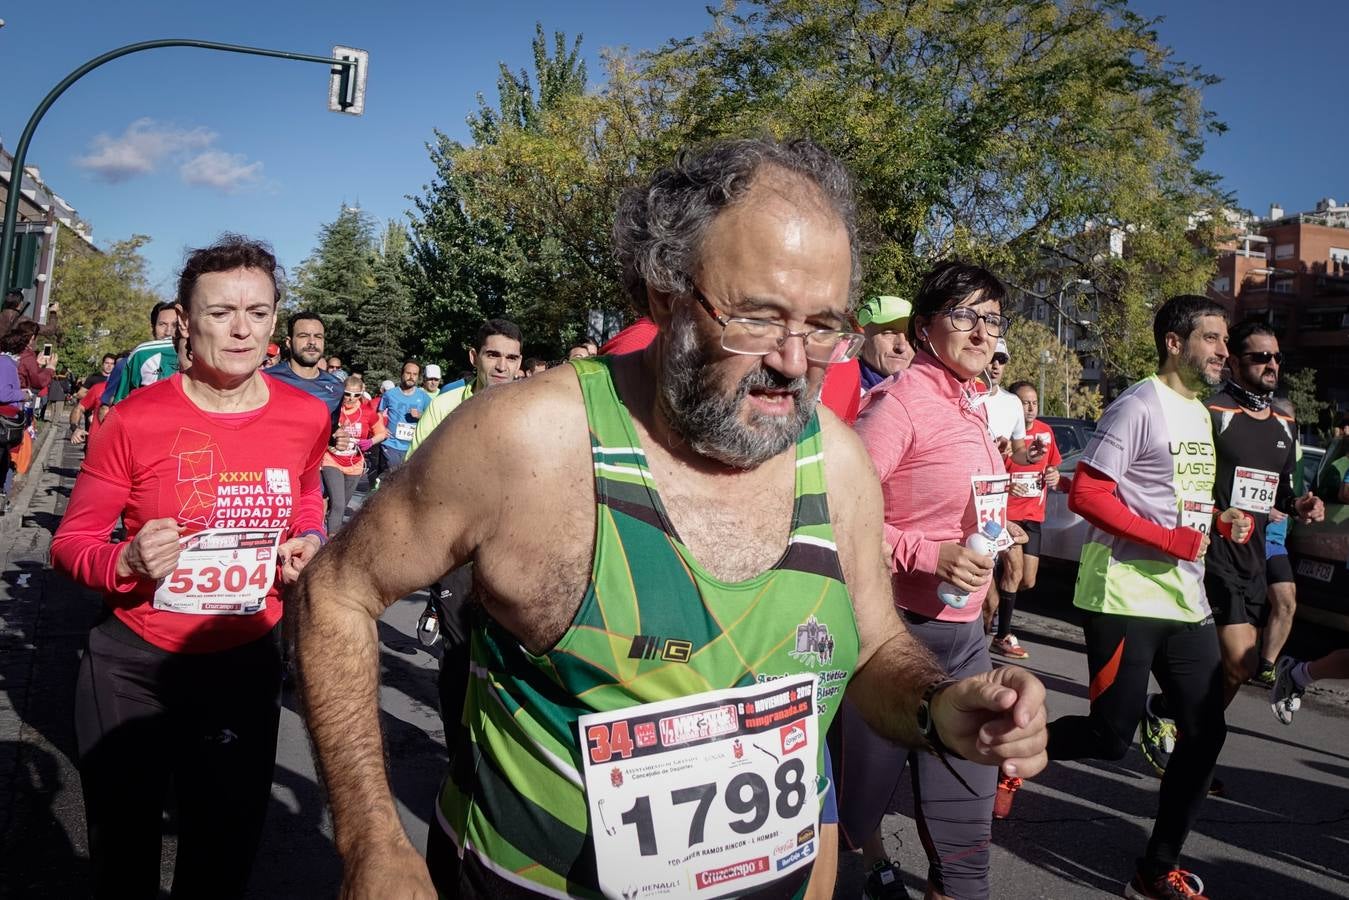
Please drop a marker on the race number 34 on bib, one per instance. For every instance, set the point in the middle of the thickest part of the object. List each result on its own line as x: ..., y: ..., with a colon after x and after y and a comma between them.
x: 221, y: 572
x: 706, y: 795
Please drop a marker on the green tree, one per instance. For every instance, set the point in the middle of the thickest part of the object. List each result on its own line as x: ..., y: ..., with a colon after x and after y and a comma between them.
x: 1307, y: 407
x: 338, y: 277
x: 989, y: 129
x: 1027, y: 345
x: 105, y: 299
x: 381, y: 318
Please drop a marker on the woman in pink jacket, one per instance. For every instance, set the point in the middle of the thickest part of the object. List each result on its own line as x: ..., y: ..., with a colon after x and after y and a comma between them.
x: 942, y: 478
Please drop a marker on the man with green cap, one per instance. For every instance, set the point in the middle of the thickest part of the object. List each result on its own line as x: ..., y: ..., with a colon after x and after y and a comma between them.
x: 885, y: 322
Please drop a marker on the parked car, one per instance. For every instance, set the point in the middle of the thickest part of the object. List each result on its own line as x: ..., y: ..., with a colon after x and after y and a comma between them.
x: 1071, y: 435
x: 1320, y: 551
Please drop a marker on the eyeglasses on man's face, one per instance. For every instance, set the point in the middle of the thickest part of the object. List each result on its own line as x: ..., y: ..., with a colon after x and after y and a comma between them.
x: 965, y: 318
x: 760, y: 337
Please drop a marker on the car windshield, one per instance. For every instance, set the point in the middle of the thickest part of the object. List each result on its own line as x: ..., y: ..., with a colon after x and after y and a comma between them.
x: 1066, y: 437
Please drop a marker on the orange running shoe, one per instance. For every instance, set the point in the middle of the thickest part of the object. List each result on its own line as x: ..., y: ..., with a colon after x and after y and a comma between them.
x: 1002, y: 801
x: 1177, y: 884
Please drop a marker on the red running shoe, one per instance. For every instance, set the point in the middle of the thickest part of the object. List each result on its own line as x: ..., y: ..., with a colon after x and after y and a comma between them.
x: 1002, y: 801
x: 1177, y: 884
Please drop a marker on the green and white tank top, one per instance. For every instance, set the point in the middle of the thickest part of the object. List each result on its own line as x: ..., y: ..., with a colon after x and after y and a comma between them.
x: 653, y: 626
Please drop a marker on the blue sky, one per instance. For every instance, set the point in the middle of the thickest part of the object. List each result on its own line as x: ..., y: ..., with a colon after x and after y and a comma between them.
x: 181, y: 144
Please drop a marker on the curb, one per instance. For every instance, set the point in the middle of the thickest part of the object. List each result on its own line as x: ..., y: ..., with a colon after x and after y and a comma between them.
x: 18, y: 507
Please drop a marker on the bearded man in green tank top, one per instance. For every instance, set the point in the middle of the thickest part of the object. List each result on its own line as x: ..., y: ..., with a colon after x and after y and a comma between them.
x: 653, y: 674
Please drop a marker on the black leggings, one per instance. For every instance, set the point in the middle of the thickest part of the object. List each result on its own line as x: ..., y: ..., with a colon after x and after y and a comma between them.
x: 1121, y: 650
x: 207, y: 722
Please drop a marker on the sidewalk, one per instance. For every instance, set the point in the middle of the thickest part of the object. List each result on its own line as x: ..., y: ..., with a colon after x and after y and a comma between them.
x: 43, y: 621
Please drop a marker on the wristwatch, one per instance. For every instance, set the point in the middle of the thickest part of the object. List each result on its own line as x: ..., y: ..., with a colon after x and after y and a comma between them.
x: 927, y: 726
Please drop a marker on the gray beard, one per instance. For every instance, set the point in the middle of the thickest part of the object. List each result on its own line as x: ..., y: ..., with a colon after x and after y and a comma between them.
x: 698, y: 409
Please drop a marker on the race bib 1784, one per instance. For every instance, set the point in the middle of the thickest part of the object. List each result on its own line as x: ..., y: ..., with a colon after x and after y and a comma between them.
x: 706, y: 795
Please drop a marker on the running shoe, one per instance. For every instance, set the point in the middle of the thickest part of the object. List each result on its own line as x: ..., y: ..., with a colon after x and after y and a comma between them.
x: 1008, y: 647
x: 1265, y: 677
x: 1284, y: 697
x: 1002, y: 801
x: 1158, y: 739
x: 1177, y: 884
x: 428, y: 627
x: 885, y: 883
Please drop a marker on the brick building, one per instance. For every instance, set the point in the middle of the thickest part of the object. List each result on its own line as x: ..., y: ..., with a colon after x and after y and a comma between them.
x: 1293, y: 271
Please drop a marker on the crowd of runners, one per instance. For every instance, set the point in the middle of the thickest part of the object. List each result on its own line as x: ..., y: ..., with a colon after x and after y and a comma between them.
x: 701, y: 595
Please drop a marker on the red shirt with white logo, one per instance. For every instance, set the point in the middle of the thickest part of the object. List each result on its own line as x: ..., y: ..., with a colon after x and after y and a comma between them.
x: 159, y: 455
x: 1023, y: 508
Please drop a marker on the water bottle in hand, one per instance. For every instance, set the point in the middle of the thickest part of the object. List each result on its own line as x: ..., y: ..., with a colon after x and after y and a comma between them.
x: 982, y: 541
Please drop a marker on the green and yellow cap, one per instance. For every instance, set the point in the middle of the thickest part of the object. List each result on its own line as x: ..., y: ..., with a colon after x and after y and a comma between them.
x: 884, y: 310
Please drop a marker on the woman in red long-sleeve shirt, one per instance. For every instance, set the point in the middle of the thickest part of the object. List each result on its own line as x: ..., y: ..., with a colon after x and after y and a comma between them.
x: 215, y: 473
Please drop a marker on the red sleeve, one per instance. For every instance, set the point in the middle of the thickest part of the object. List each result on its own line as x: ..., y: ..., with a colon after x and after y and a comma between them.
x: 842, y: 391
x: 1093, y: 498
x: 32, y: 375
x: 309, y: 511
x: 636, y: 336
x: 80, y: 547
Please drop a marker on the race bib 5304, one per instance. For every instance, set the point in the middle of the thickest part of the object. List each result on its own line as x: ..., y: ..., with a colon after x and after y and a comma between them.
x: 221, y: 572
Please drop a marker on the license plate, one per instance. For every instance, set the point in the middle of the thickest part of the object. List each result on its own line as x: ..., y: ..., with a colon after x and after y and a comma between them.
x: 1321, y: 571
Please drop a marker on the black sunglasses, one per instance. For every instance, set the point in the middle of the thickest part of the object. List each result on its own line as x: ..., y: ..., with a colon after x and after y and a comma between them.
x: 1263, y: 356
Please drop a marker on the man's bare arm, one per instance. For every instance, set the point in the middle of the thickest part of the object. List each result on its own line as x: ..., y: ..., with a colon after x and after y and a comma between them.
x: 426, y: 519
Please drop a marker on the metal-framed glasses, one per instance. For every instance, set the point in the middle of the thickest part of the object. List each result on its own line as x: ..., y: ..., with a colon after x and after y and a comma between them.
x: 760, y: 337
x: 965, y: 318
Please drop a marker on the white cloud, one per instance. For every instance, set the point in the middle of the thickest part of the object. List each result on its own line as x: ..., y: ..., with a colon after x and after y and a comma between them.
x: 141, y: 148
x: 227, y: 172
x: 146, y: 145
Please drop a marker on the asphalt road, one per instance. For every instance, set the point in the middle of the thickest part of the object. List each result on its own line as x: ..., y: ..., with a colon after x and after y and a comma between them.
x: 1282, y: 830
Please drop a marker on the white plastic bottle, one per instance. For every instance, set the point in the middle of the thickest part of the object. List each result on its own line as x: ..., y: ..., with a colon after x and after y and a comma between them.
x: 982, y: 541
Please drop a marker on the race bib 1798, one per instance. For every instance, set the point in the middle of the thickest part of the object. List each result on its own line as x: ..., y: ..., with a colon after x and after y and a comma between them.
x: 706, y: 795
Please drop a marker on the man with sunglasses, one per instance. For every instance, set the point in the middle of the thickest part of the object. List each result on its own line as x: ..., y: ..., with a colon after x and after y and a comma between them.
x: 680, y: 564
x: 1256, y: 447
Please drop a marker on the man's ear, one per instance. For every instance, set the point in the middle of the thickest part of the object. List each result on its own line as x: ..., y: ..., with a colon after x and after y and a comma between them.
x: 660, y: 306
x: 472, y: 357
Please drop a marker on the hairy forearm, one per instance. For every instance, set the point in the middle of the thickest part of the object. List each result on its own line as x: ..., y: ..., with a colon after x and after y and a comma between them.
x: 888, y: 688
x: 337, y: 650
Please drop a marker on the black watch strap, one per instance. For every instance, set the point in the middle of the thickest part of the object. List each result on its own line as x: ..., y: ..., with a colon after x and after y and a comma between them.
x: 927, y: 727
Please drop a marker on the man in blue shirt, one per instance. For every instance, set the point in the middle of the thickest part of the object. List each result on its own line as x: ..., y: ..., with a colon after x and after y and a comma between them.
x: 304, y: 339
x: 404, y: 406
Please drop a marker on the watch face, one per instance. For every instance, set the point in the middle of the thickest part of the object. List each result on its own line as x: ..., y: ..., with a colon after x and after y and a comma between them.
x: 924, y: 717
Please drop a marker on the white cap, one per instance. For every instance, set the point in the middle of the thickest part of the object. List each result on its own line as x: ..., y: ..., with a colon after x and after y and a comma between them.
x: 432, y: 371
x: 1001, y: 348
x: 386, y: 385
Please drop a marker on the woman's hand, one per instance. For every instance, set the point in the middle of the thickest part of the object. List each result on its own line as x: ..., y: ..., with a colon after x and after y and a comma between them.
x: 153, y: 552
x: 963, y: 567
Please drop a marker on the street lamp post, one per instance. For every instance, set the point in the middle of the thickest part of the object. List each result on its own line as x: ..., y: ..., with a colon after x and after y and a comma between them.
x: 1058, y: 305
x: 348, y: 66
x: 1045, y: 359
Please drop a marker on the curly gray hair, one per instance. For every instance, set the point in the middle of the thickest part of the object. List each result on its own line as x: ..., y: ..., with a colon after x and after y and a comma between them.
x: 659, y: 226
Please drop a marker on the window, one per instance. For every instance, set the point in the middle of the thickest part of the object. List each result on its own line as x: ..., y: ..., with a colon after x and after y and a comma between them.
x: 1283, y: 251
x: 1284, y: 286
x: 1323, y: 318
x: 1222, y: 285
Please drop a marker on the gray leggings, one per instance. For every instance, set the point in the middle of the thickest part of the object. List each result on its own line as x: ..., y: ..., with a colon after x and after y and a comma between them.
x: 954, y: 825
x: 339, y: 489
